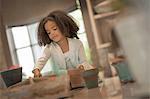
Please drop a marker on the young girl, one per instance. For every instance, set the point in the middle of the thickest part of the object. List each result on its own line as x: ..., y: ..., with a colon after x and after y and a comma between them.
x: 58, y: 34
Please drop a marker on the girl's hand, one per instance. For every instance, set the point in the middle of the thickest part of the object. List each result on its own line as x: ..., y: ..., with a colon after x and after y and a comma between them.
x: 36, y: 73
x: 81, y: 67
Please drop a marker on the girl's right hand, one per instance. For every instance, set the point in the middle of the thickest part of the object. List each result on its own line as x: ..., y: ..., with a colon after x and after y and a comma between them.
x: 36, y: 73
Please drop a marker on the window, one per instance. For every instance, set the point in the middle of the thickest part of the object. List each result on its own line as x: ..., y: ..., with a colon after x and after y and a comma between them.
x: 27, y: 49
x: 77, y: 15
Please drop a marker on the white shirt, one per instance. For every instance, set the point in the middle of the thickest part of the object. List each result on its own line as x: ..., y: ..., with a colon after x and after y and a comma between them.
x: 75, y: 55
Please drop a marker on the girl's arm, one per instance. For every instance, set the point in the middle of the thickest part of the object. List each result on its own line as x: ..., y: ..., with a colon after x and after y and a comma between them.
x: 42, y: 59
x: 83, y: 63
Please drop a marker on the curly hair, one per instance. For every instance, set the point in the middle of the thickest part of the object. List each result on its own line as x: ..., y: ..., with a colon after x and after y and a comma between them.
x: 64, y: 22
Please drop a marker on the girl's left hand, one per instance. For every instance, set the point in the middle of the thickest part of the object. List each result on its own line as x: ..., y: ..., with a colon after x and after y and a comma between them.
x: 81, y: 67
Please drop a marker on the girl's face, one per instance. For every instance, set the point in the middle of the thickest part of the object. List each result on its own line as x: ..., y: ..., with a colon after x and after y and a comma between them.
x: 53, y: 31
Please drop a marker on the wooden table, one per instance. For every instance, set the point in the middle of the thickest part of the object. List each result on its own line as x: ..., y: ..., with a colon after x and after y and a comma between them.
x: 104, y: 91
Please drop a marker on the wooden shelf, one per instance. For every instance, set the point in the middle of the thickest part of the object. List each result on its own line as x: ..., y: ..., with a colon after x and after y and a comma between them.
x: 105, y: 45
x: 103, y: 15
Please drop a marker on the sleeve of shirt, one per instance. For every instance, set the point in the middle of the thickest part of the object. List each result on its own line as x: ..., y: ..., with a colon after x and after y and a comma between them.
x: 81, y: 53
x: 82, y: 58
x: 43, y: 58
